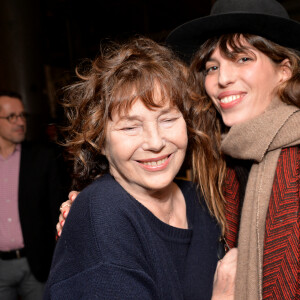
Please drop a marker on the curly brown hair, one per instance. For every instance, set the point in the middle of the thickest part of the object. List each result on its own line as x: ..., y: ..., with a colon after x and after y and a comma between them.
x: 120, y: 75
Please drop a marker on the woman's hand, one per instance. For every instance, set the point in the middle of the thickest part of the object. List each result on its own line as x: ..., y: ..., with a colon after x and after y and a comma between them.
x: 64, y: 210
x: 224, y: 280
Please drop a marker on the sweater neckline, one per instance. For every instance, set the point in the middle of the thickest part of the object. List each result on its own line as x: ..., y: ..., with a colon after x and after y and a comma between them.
x: 165, y: 230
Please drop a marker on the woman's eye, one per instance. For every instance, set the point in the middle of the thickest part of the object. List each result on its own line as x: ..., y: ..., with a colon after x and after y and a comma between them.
x: 244, y: 59
x: 169, y: 120
x: 128, y: 128
x: 211, y: 69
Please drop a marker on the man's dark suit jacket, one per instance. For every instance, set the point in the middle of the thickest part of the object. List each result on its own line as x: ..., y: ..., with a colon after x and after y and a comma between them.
x: 40, y: 195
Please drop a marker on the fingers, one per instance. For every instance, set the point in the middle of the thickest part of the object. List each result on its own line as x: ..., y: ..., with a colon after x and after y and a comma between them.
x: 224, y: 279
x: 64, y: 211
x: 58, y: 229
x: 231, y: 256
x: 61, y: 221
x: 227, y: 265
x: 72, y: 195
x: 65, y: 208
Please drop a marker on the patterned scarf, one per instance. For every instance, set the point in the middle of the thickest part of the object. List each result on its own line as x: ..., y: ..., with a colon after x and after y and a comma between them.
x: 261, y: 140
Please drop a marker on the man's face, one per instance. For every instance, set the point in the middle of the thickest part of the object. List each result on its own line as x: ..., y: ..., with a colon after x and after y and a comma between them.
x: 11, y: 132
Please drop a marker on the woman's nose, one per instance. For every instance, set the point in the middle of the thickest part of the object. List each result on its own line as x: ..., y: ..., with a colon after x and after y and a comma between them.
x: 153, y: 139
x: 226, y: 74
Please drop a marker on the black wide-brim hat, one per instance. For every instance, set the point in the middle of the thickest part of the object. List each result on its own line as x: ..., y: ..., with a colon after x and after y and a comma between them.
x: 266, y: 18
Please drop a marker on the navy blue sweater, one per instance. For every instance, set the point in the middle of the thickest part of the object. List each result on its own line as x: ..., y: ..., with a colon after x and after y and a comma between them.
x: 112, y: 247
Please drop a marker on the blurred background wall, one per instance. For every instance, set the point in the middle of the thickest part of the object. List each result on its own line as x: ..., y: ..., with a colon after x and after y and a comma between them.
x: 43, y: 40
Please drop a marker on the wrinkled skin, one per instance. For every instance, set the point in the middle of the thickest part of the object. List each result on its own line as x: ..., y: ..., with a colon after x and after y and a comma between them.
x: 224, y: 280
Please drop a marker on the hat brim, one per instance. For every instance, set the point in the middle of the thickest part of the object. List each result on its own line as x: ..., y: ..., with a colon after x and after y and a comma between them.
x: 187, y: 38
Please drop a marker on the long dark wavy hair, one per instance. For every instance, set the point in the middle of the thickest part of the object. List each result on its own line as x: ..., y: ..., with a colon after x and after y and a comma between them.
x: 230, y: 46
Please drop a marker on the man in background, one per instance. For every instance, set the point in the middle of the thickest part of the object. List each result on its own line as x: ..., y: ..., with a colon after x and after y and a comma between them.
x: 30, y: 195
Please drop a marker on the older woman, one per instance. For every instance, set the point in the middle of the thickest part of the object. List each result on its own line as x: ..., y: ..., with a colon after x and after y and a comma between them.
x: 249, y: 68
x: 134, y: 232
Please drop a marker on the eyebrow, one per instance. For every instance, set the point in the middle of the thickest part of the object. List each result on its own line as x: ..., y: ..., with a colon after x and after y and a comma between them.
x: 137, y: 117
x: 212, y: 59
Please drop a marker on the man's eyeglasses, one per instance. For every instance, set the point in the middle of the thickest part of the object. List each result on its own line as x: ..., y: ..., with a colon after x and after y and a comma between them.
x: 13, y: 118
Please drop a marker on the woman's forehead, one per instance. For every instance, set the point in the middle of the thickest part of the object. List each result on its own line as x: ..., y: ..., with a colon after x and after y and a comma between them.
x: 159, y: 105
x: 239, y: 42
x: 231, y: 49
x: 156, y: 97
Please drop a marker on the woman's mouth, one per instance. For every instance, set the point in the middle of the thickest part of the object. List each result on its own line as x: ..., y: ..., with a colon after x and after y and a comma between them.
x: 231, y: 100
x: 155, y: 164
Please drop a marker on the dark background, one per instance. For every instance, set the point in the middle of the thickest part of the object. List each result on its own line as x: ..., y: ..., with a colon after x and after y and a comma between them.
x: 43, y: 40
x: 74, y: 28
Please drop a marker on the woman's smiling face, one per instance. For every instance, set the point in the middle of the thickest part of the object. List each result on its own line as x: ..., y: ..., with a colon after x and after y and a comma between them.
x: 242, y: 89
x: 146, y: 148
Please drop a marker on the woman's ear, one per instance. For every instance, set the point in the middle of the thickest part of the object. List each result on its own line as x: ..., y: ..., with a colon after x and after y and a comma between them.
x: 285, y: 70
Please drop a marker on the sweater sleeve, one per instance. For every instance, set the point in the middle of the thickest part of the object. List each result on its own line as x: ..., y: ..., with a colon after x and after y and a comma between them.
x: 103, y: 252
x: 105, y: 282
